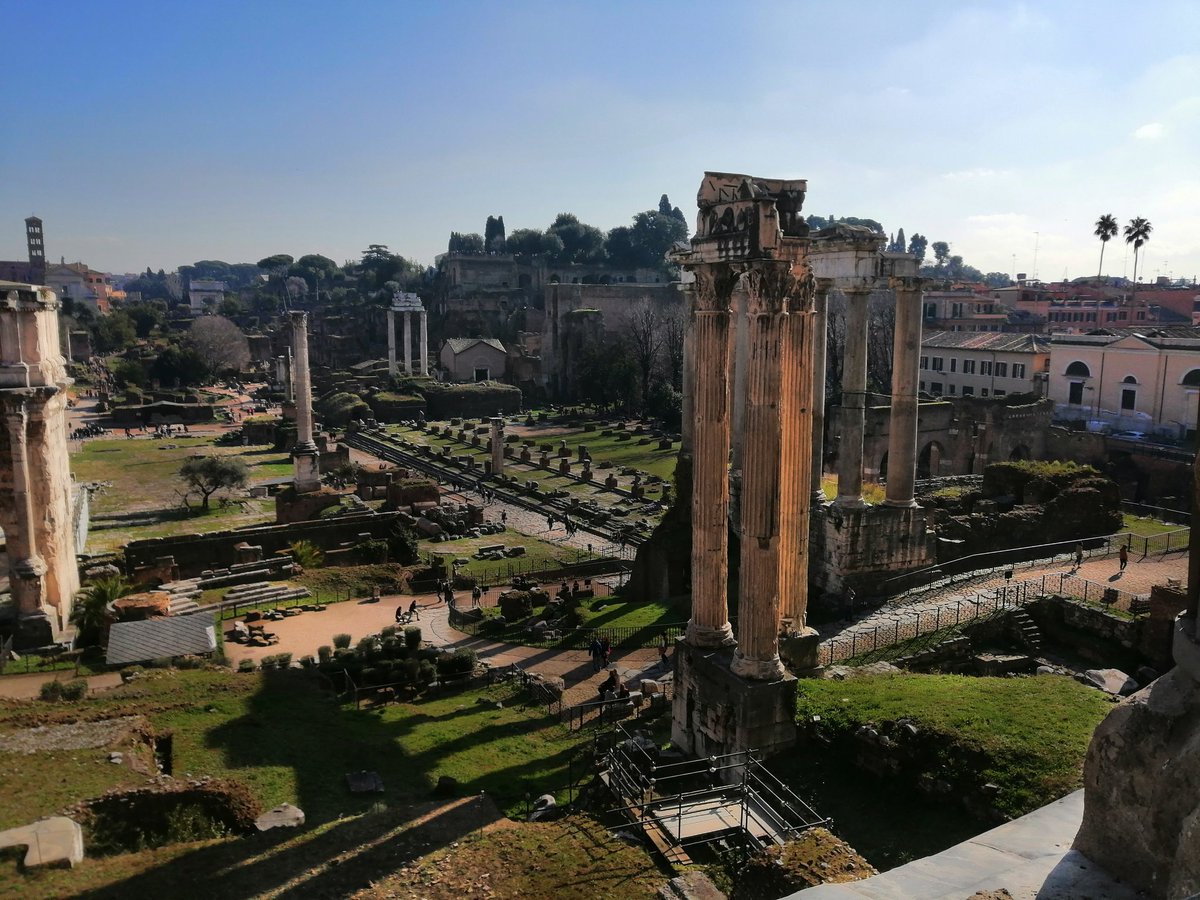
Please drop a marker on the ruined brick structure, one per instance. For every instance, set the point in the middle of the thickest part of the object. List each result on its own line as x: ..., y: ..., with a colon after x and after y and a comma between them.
x: 36, y: 504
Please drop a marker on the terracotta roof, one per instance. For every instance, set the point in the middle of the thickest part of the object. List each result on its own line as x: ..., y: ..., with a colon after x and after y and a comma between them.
x: 987, y: 340
x: 461, y: 345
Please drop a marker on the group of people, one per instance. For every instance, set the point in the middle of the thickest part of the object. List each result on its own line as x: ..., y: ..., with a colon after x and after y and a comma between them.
x: 413, y: 613
x: 552, y: 520
x: 600, y: 650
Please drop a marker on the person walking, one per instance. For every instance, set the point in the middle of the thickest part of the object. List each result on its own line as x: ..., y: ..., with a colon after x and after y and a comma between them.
x: 595, y: 653
x: 1123, y: 555
x: 413, y: 611
x: 1078, y: 556
x: 662, y: 650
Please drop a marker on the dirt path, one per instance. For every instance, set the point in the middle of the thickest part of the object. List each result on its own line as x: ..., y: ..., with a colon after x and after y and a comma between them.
x: 28, y: 687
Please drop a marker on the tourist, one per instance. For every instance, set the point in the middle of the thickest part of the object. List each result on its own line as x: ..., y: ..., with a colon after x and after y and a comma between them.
x: 1078, y: 556
x: 400, y: 613
x: 413, y: 611
x: 504, y: 517
x: 662, y: 650
x: 606, y: 650
x: 1123, y: 555
x: 596, y: 653
x: 476, y: 593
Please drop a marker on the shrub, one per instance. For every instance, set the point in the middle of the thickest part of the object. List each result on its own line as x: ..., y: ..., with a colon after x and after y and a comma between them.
x: 306, y: 554
x: 387, y: 631
x: 515, y: 605
x: 460, y: 662
x: 189, y: 662
x: 76, y: 689
x: 412, y: 637
x: 324, y: 653
x: 341, y: 641
x: 246, y: 665
x: 283, y: 660
x: 163, y: 662
x: 51, y: 690
x: 365, y: 645
x: 426, y: 672
x: 372, y: 552
x: 307, y: 661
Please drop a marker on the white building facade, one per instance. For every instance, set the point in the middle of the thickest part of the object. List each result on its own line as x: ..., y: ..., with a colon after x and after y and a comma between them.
x: 982, y: 364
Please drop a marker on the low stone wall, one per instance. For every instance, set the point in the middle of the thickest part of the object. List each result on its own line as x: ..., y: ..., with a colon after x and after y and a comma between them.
x: 194, y: 553
x: 1093, y: 633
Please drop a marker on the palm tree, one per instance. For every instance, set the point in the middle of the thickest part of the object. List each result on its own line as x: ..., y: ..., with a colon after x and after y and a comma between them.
x: 89, y: 612
x: 1137, y: 232
x: 1106, y: 228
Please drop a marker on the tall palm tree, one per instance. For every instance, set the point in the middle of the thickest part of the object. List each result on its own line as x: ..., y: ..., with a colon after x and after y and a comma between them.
x: 1106, y: 228
x: 1137, y: 232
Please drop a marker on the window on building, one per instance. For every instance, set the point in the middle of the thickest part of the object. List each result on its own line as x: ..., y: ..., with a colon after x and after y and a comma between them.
x: 937, y: 364
x: 931, y: 310
x: 1079, y: 369
x: 1110, y: 317
x: 1123, y: 316
x: 953, y: 364
x: 985, y: 367
x: 1018, y: 370
x: 1192, y: 378
x: 968, y: 367
x: 1128, y: 398
x: 1141, y: 314
x: 1001, y: 370
x: 983, y: 392
x: 999, y: 393
x: 950, y: 389
x: 935, y: 388
x: 968, y: 391
x: 1075, y: 393
x: 921, y: 386
x: 924, y: 362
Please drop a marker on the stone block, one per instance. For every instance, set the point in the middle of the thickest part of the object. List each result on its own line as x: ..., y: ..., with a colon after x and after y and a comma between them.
x: 49, y: 842
x: 283, y: 816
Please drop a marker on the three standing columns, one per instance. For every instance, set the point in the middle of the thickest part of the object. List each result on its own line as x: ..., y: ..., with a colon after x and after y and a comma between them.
x: 712, y: 350
x: 422, y: 366
x: 776, y: 445
x: 902, y: 432
x: 854, y: 401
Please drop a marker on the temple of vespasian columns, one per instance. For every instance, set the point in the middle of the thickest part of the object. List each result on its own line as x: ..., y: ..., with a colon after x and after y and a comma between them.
x: 758, y: 283
x: 37, y: 506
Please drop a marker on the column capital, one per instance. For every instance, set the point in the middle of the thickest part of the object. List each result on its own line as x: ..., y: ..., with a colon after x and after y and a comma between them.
x: 906, y: 283
x: 299, y: 318
x: 713, y: 287
x: 16, y: 415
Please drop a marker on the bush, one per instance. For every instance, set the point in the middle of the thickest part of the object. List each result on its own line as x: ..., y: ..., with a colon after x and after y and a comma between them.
x: 426, y: 672
x: 306, y: 554
x: 246, y: 665
x: 283, y: 660
x: 372, y: 552
x: 163, y: 662
x: 51, y: 690
x: 412, y: 637
x: 460, y: 662
x: 76, y: 689
x: 189, y: 662
x: 307, y: 661
x: 515, y: 605
x: 324, y: 653
x: 341, y: 641
x: 365, y: 645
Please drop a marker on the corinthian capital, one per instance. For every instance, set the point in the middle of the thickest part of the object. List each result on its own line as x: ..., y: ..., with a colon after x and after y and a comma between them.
x: 713, y: 288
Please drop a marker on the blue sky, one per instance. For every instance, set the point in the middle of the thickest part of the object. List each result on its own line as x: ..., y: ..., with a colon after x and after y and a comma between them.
x: 162, y: 133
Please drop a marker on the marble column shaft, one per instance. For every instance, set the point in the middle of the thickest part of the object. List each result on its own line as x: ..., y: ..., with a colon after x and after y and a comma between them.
x: 687, y: 429
x: 22, y: 545
x: 391, y: 338
x: 408, y: 366
x: 424, y: 343
x: 712, y: 347
x: 854, y: 401
x: 770, y: 477
x: 302, y: 383
x: 820, y: 338
x: 801, y: 390
x: 497, y: 446
x: 902, y: 430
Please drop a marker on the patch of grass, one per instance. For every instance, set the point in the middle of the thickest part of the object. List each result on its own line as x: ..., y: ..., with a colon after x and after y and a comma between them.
x: 872, y: 492
x: 539, y: 554
x: 1027, y: 735
x: 1147, y: 527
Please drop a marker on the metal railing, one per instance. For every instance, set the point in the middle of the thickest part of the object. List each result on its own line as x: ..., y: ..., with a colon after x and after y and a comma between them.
x: 976, y: 607
x: 1158, y: 513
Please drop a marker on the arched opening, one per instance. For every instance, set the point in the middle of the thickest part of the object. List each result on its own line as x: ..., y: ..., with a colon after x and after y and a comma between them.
x: 883, y: 467
x: 1078, y: 369
x: 929, y: 462
x: 1192, y: 378
x: 1019, y: 453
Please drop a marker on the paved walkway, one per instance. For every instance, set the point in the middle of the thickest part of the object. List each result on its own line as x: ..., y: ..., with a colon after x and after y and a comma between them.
x: 958, y: 602
x: 28, y: 687
x: 1029, y: 857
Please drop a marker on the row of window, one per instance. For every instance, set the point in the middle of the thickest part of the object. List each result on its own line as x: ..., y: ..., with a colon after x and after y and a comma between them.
x: 985, y: 366
x: 1122, y: 316
x: 937, y: 389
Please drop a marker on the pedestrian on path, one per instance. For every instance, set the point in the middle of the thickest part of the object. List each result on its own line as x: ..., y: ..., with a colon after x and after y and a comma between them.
x: 504, y: 517
x: 595, y: 653
x: 1078, y: 556
x: 1123, y: 555
x: 662, y: 650
x: 413, y: 611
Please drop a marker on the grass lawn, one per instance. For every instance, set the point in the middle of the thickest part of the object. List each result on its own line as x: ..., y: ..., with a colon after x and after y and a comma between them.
x: 872, y: 492
x: 1147, y: 527
x: 281, y: 735
x: 539, y: 554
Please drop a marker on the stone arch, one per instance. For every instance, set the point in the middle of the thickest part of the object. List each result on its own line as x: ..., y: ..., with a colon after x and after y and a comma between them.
x: 1129, y: 379
x: 1019, y: 453
x: 1078, y: 368
x: 929, y: 461
x: 1192, y: 378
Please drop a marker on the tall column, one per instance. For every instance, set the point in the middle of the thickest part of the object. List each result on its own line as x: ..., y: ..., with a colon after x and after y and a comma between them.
x: 497, y: 444
x: 27, y: 566
x: 741, y: 359
x: 770, y: 438
x: 289, y: 388
x: 902, y: 431
x: 391, y: 335
x: 820, y: 337
x: 854, y: 401
x: 712, y: 349
x: 408, y: 366
x: 687, y: 427
x: 305, y: 459
x: 424, y: 345
x: 800, y: 385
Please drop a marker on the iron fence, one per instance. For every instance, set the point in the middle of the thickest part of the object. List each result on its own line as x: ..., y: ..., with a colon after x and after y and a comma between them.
x: 1158, y: 513
x: 978, y: 606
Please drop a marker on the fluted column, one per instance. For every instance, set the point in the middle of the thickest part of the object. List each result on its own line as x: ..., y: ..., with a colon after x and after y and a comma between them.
x: 687, y: 428
x: 306, y: 475
x: 800, y: 388
x: 712, y: 351
x: 902, y: 431
x: 424, y: 343
x: 497, y: 446
x: 768, y: 500
x: 27, y: 566
x: 391, y: 336
x: 820, y: 337
x: 408, y: 366
x: 854, y: 401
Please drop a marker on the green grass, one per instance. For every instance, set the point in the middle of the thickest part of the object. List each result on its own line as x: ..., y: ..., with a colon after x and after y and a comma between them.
x: 539, y: 554
x: 1027, y: 735
x: 872, y: 492
x: 1146, y: 527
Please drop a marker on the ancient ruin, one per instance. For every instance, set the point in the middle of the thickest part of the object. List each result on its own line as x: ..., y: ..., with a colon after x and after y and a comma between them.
x: 408, y: 305
x: 37, y: 508
x: 305, y: 458
x: 734, y: 693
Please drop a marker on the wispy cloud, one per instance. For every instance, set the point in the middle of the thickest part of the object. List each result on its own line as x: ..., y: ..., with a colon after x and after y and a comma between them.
x: 1151, y: 131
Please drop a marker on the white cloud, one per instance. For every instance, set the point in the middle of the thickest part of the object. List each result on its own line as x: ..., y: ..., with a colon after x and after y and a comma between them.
x: 975, y: 174
x: 1151, y: 131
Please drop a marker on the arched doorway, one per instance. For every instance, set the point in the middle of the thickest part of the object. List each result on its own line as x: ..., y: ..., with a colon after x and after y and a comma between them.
x: 1019, y: 453
x: 883, y: 467
x: 929, y: 462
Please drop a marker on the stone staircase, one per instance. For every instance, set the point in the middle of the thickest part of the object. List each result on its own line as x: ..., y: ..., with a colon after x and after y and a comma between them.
x: 1025, y: 630
x: 265, y: 592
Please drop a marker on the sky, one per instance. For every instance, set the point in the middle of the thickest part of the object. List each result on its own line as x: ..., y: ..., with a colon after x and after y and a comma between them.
x: 157, y: 134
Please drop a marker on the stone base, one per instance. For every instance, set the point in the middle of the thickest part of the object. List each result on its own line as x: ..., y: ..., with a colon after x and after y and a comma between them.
x: 1141, y: 817
x: 38, y: 629
x: 307, y: 467
x: 291, y: 506
x: 715, y: 712
x: 800, y: 650
x: 859, y: 547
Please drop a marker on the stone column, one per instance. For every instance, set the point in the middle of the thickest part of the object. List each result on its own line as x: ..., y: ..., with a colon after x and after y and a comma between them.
x: 801, y: 379
x: 497, y: 443
x: 712, y: 350
x: 820, y: 338
x: 391, y: 335
x: 305, y: 459
x: 424, y: 344
x: 770, y: 438
x: 289, y: 388
x: 741, y: 353
x: 854, y: 400
x: 27, y: 566
x: 906, y: 357
x: 687, y: 429
x: 408, y: 366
